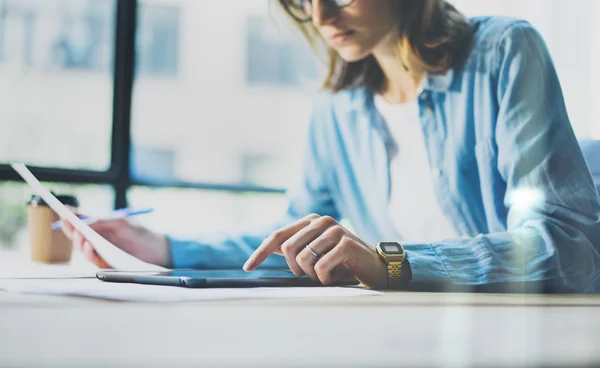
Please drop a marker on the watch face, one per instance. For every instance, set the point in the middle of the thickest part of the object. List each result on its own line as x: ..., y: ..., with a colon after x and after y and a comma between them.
x: 392, y: 248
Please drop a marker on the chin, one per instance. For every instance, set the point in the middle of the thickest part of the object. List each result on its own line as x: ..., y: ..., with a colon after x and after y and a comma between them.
x: 351, y: 54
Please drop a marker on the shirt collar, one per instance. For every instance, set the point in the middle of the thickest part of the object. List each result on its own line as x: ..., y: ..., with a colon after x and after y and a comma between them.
x: 364, y: 99
x: 439, y: 82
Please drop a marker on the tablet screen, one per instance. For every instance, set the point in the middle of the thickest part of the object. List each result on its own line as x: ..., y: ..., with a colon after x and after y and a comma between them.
x: 229, y: 274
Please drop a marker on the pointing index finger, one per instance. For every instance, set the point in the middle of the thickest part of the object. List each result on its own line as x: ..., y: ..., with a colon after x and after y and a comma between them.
x: 274, y: 241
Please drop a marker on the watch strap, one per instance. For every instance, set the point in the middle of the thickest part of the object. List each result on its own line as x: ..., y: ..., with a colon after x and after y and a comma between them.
x: 395, y: 279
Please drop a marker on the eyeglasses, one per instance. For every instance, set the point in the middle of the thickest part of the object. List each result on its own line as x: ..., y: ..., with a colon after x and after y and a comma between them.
x: 302, y: 10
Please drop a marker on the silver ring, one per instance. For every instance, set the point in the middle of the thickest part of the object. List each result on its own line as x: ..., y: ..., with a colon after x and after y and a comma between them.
x: 312, y: 251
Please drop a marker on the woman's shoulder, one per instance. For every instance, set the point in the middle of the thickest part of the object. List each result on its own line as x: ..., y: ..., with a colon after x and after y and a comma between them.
x: 342, y: 102
x: 491, y: 31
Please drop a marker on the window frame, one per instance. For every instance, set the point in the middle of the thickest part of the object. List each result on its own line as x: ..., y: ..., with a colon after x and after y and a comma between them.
x: 119, y: 176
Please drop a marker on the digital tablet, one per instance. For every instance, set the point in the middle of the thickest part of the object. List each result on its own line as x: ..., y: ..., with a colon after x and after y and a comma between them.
x: 214, y: 278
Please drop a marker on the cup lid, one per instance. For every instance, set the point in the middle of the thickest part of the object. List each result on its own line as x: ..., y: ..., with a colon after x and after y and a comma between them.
x: 67, y: 200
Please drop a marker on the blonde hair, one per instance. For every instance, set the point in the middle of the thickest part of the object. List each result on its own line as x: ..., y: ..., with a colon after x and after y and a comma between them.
x: 434, y: 30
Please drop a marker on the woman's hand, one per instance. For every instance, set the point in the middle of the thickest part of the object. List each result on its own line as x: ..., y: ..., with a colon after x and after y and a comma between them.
x: 138, y: 241
x: 325, y: 251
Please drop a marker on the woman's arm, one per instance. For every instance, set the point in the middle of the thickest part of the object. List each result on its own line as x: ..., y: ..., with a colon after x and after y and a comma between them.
x: 554, y: 214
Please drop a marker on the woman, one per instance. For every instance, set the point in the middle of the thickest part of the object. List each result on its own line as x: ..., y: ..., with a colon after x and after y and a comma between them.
x: 431, y: 127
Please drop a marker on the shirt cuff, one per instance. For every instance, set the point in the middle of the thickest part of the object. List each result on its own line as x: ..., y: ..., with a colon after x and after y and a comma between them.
x: 184, y: 253
x: 425, y: 264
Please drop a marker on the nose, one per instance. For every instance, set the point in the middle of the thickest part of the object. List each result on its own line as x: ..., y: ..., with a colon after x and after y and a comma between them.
x: 323, y: 13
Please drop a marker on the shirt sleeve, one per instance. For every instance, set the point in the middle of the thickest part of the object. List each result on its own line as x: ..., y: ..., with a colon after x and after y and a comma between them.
x: 553, y: 222
x: 311, y: 195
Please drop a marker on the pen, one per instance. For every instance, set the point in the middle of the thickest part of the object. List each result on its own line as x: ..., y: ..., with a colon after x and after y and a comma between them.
x: 120, y: 213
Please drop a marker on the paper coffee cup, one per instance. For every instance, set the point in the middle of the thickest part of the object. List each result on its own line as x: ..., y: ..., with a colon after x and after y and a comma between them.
x: 48, y: 245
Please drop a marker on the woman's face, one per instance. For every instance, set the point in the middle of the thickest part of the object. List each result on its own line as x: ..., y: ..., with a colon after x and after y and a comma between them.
x: 356, y: 30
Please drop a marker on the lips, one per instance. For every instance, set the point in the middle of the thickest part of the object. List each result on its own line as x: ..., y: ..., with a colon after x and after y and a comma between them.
x: 342, y: 36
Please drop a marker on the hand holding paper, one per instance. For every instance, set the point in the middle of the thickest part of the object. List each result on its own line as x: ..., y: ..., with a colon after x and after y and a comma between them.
x: 136, y: 240
x: 114, y: 256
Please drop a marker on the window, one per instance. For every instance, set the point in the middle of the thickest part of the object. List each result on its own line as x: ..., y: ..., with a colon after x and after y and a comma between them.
x: 211, y: 125
x: 56, y: 90
x: 57, y: 34
x: 83, y: 36
x: 56, y: 105
x: 272, y: 59
x: 20, y: 21
x: 189, y: 148
x: 157, y: 47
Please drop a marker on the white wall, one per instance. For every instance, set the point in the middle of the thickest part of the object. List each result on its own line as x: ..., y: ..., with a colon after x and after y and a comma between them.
x: 595, y: 76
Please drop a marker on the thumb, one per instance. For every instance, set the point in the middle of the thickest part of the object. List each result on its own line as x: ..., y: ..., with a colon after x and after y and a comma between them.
x: 67, y: 229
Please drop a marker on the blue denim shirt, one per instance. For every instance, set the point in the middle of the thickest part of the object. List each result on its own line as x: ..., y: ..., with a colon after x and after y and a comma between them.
x: 508, y: 171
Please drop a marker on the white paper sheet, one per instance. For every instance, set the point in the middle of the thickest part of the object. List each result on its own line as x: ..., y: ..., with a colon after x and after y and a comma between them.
x: 15, y: 265
x: 149, y: 293
x: 39, y: 271
x: 113, y: 255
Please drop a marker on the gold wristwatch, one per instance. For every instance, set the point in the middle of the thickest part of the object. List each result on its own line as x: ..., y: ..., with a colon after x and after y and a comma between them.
x: 393, y: 255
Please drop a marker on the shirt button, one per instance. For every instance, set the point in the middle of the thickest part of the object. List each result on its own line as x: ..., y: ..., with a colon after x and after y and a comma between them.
x: 437, y: 172
x: 427, y: 112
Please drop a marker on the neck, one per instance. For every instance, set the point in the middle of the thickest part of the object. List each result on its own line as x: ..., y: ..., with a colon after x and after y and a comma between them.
x: 400, y: 85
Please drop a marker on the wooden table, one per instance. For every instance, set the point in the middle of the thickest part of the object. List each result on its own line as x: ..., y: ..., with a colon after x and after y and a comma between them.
x: 396, y: 329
